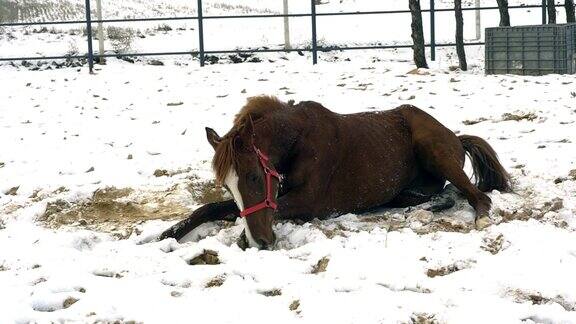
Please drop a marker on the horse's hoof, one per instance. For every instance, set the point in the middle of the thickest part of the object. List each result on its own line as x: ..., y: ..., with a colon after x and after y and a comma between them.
x: 164, y: 235
x: 242, y: 241
x: 483, y: 222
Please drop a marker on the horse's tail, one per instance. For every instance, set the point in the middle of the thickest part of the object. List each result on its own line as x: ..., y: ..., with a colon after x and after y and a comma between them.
x: 488, y: 171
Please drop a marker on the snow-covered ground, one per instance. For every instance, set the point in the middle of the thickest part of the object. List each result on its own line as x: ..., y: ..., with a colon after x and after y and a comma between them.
x: 93, y: 167
x: 137, y: 132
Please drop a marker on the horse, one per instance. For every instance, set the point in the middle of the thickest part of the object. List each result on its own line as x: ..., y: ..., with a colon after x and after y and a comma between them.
x: 302, y: 161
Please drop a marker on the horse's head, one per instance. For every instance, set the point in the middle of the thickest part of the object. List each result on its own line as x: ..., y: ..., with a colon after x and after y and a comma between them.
x: 249, y: 175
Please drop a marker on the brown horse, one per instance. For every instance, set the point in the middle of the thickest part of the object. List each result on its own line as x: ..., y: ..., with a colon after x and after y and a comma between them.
x: 332, y: 164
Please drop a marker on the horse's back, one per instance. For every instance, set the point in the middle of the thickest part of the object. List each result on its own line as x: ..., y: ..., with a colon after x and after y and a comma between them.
x: 368, y: 157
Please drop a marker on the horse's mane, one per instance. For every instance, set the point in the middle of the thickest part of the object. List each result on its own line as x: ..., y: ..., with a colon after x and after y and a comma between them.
x: 255, y: 108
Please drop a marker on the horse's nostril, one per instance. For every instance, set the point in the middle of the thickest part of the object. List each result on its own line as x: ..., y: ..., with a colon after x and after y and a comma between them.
x: 263, y: 244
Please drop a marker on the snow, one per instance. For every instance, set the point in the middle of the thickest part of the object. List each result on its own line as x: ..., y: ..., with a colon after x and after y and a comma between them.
x: 66, y: 138
x: 54, y: 130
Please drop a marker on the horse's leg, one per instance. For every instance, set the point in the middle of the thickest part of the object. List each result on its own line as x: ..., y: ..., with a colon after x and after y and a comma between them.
x: 295, y: 204
x: 440, y: 152
x: 207, y: 213
x: 444, y: 157
x: 425, y: 188
x: 409, y: 197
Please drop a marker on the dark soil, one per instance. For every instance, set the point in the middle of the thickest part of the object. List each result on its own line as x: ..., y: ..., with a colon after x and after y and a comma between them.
x: 206, y: 257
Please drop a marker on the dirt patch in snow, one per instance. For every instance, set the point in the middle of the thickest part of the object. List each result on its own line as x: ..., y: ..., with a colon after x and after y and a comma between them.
x: 12, y: 191
x: 536, y: 298
x: 442, y: 271
x: 449, y: 269
x: 519, y: 116
x: 331, y: 230
x: 69, y: 302
x: 118, y: 210
x: 423, y: 318
x: 271, y: 293
x: 546, y: 212
x: 112, y: 209
x: 294, y: 305
x: 516, y: 116
x: 320, y: 266
x: 446, y: 224
x: 494, y: 244
x: 204, y: 192
x: 215, y: 282
x: 518, y: 208
x: 206, y: 257
x: 469, y: 122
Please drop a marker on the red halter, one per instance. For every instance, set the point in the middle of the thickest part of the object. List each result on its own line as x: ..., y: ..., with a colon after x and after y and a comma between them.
x: 270, y: 200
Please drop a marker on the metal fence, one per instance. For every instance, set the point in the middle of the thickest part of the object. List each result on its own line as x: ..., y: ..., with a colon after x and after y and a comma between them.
x: 201, y: 52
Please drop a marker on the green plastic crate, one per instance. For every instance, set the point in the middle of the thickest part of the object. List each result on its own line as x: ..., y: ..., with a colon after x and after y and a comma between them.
x: 531, y: 50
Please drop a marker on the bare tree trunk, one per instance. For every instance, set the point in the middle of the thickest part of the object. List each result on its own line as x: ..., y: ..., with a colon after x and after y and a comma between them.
x: 417, y: 34
x: 569, y: 5
x: 504, y: 15
x: 460, y: 35
x: 551, y: 11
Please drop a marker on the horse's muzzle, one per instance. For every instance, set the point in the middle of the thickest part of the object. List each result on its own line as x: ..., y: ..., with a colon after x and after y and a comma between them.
x: 262, y: 244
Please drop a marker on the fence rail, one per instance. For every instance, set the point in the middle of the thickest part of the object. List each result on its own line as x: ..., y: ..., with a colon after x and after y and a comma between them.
x: 201, y: 52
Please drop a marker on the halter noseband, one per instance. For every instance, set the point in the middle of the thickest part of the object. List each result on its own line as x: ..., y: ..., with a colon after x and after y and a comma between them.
x: 270, y: 200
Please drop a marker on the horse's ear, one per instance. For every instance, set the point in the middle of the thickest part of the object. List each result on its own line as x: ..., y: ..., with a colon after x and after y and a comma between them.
x: 213, y: 138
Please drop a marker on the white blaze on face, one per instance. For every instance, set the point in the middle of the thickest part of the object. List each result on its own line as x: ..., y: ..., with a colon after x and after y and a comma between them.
x: 231, y: 181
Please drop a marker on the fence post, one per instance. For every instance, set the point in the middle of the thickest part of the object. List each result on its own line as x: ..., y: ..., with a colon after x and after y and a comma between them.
x: 286, y: 26
x: 100, y: 31
x: 200, y: 33
x: 432, y: 32
x: 314, y: 43
x: 478, y: 21
x: 543, y: 12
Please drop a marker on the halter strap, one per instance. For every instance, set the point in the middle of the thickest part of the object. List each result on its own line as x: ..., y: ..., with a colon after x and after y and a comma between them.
x: 269, y: 171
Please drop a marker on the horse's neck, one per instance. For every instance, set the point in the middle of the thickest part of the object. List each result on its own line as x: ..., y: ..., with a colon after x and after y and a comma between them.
x: 286, y: 132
